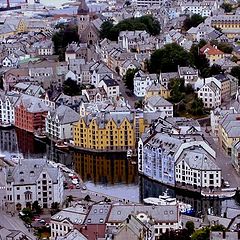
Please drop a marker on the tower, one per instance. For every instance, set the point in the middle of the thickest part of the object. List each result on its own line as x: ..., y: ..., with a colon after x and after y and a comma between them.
x: 83, y: 17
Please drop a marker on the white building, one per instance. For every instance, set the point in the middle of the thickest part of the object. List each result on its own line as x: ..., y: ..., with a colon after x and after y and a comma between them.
x: 59, y: 122
x: 197, y: 167
x: 203, y: 8
x: 189, y: 74
x: 157, y: 103
x: 65, y: 220
x: 7, y: 107
x: 210, y: 94
x: 34, y: 180
x: 165, y: 217
x: 148, y: 3
x: 142, y: 81
x: 110, y: 86
x: 44, y: 48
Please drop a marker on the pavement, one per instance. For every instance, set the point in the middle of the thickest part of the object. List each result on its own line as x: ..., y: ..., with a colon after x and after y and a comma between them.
x: 223, y: 161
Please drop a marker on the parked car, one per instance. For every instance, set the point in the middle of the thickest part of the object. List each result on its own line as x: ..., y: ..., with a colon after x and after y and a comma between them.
x: 226, y: 184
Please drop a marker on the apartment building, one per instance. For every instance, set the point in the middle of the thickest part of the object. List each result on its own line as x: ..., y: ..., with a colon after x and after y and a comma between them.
x: 34, y: 180
x: 59, y: 122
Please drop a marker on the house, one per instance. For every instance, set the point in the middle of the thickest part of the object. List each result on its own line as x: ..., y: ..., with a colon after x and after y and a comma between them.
x: 164, y: 78
x: 71, y: 235
x: 159, y: 219
x: 210, y: 94
x: 10, y: 61
x: 205, y: 9
x: 110, y: 86
x: 95, y: 94
x: 8, y: 101
x: 212, y: 53
x: 229, y: 131
x: 30, y: 113
x: 44, y: 48
x: 157, y: 103
x: 235, y: 155
x: 189, y: 74
x: 7, y: 234
x: 99, y: 70
x: 28, y: 89
x: 142, y: 81
x: 157, y: 89
x: 128, y: 64
x: 59, y: 122
x: 33, y: 180
x: 133, y: 228
x: 66, y: 220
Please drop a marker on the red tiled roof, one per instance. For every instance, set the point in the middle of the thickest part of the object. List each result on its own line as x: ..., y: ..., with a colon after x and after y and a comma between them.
x: 210, y: 50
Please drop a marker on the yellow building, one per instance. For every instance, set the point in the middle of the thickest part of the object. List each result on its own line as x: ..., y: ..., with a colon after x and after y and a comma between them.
x: 230, y: 24
x: 212, y: 53
x: 157, y: 89
x: 229, y: 131
x: 111, y: 131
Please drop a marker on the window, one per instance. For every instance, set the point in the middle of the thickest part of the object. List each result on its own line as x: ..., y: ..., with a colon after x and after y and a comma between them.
x: 18, y: 197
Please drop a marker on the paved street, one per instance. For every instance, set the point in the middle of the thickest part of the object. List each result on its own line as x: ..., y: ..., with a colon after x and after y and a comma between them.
x: 224, y: 162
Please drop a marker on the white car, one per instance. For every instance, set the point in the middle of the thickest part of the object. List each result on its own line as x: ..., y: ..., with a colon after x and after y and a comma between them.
x: 75, y: 181
x: 226, y: 184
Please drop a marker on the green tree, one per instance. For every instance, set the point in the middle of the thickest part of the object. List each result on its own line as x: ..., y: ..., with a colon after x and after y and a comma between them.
x: 105, y: 29
x: 168, y: 58
x: 128, y: 78
x: 192, y: 21
x: 190, y: 227
x: 223, y: 46
x: 71, y: 88
x: 215, y: 69
x: 63, y: 37
x: 227, y: 7
x: 177, y: 90
x: 147, y: 22
x: 197, y: 107
x: 235, y: 71
x: 36, y: 207
x: 201, y: 234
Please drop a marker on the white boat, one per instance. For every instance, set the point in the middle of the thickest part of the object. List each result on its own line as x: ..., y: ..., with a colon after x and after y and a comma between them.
x: 16, y: 158
x: 222, y: 194
x: 61, y: 145
x: 129, y: 153
x: 39, y: 134
x: 5, y: 125
x: 165, y: 199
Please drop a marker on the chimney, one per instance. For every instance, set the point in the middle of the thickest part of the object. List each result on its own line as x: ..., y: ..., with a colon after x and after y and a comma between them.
x: 8, y: 3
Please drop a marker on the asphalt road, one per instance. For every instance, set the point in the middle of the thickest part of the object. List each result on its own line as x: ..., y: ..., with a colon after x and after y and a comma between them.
x: 224, y: 162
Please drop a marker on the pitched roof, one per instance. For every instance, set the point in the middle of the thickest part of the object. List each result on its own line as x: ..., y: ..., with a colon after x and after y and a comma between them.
x: 210, y: 50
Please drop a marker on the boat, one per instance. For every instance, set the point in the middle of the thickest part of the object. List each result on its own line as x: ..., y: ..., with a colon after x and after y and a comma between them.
x: 61, y: 145
x: 224, y: 193
x: 129, y: 153
x: 40, y: 134
x: 5, y: 124
x: 165, y: 199
x: 16, y: 158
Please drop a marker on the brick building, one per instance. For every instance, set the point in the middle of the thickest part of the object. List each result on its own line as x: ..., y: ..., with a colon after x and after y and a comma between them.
x: 30, y: 113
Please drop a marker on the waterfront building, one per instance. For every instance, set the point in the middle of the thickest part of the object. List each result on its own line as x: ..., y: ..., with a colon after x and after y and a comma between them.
x: 160, y: 151
x: 142, y: 81
x: 34, y: 180
x: 8, y: 101
x: 59, y: 122
x: 114, y: 130
x: 30, y: 113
